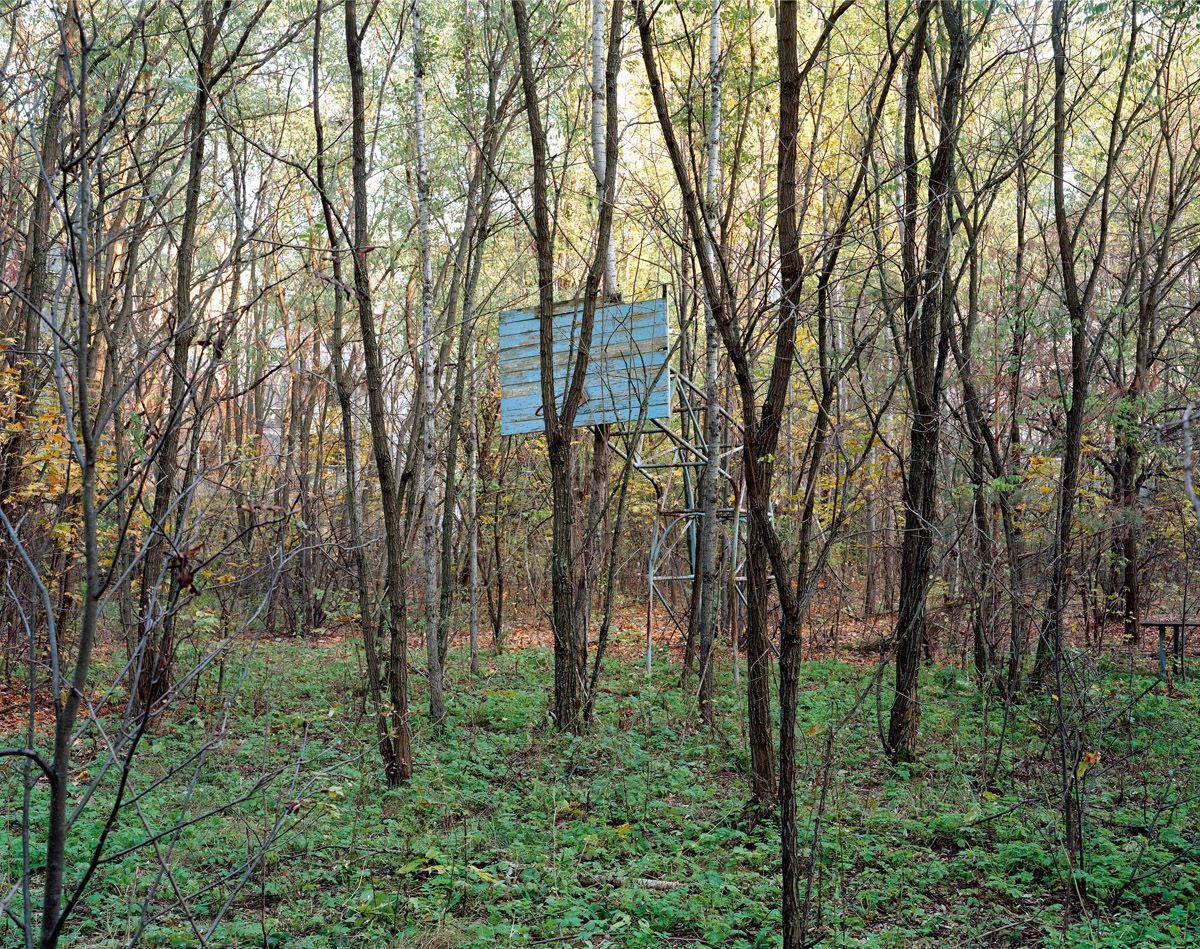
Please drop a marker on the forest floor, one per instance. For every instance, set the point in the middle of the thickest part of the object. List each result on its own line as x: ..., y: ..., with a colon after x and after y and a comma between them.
x: 637, y: 834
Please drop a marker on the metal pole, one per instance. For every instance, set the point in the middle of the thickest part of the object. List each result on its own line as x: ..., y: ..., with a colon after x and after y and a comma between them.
x: 733, y: 573
x: 650, y: 601
x: 1183, y: 630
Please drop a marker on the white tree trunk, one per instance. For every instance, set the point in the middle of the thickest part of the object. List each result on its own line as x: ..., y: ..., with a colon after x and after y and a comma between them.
x: 598, y: 105
x: 472, y: 515
x: 437, y: 702
x: 712, y: 423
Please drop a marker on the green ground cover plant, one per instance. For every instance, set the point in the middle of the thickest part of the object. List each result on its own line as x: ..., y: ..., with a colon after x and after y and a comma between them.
x: 637, y: 833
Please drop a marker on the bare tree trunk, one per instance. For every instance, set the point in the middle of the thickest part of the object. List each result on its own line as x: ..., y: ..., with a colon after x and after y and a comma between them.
x: 762, y: 766
x: 982, y: 614
x: 473, y: 520
x: 795, y: 909
x: 387, y: 745
x: 594, y: 539
x: 791, y: 273
x: 599, y: 158
x: 928, y: 301
x: 467, y: 266
x: 154, y: 665
x: 570, y: 643
x: 433, y: 656
x: 559, y: 446
x: 399, y: 770
x: 1078, y: 298
x: 32, y: 279
x: 1018, y: 626
x: 86, y: 453
x: 707, y: 558
x: 987, y: 465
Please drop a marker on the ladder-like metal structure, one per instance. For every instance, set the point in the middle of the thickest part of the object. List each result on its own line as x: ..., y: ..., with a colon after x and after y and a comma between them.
x: 634, y: 389
x: 662, y: 454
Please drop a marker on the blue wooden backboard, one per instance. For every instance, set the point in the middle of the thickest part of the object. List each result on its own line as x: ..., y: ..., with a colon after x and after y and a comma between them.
x: 626, y: 368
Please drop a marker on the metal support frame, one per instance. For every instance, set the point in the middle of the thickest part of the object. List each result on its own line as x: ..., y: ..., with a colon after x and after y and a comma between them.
x: 676, y: 527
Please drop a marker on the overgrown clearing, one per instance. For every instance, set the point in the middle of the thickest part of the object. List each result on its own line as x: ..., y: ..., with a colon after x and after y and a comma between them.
x: 376, y: 374
x: 638, y: 833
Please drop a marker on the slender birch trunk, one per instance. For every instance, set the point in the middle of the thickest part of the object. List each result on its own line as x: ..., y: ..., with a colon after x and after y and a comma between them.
x: 593, y: 546
x: 473, y: 517
x: 712, y: 419
x: 437, y: 700
x: 599, y: 164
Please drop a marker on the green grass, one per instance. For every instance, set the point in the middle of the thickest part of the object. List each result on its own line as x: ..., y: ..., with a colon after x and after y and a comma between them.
x: 638, y: 834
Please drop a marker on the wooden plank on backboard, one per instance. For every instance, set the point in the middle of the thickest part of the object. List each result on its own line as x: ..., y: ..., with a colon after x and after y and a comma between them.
x: 625, y: 371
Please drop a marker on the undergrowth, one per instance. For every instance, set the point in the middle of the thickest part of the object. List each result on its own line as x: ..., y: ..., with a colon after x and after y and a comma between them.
x: 638, y: 833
